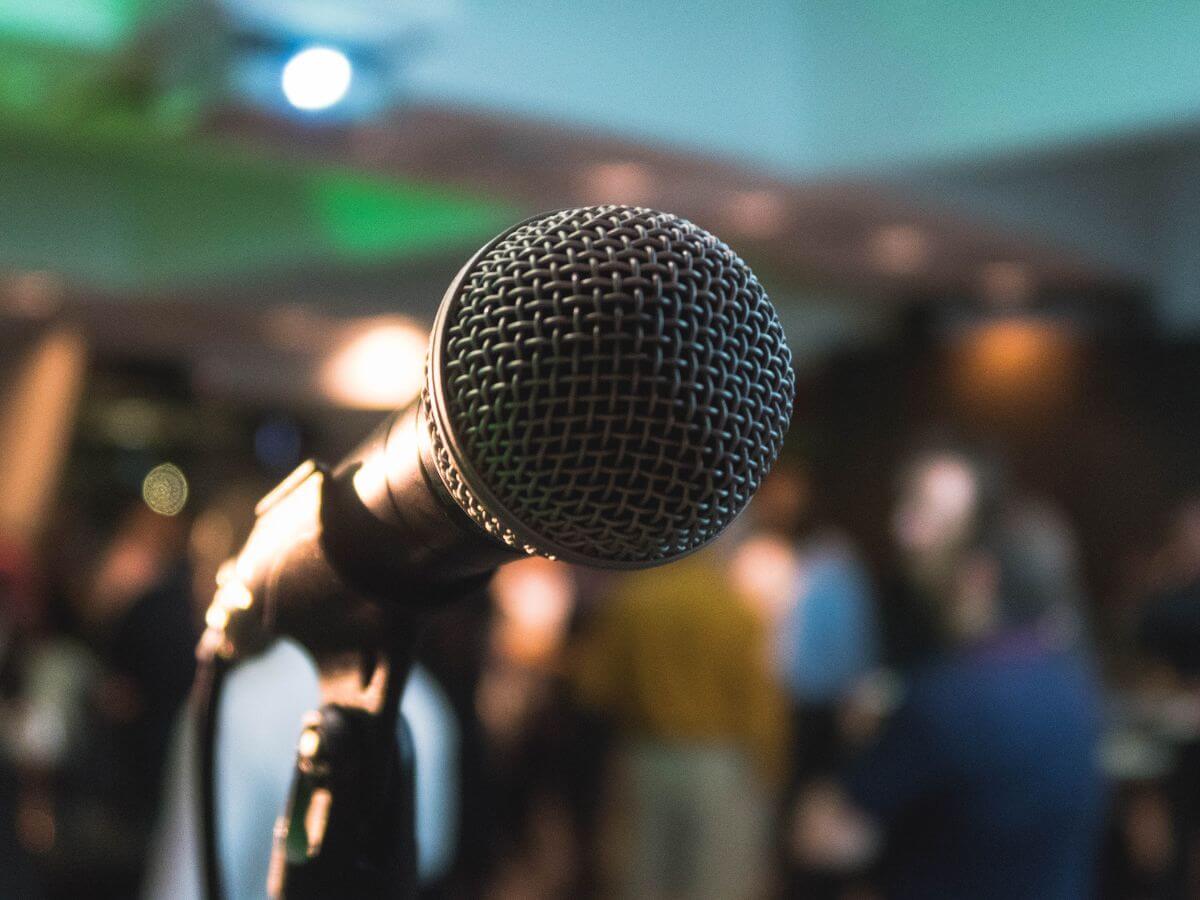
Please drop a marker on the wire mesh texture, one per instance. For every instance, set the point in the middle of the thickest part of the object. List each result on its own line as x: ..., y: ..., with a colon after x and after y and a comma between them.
x: 615, y: 382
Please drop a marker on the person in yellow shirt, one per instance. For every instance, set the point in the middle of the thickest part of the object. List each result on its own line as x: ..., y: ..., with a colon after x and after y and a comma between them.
x: 678, y: 661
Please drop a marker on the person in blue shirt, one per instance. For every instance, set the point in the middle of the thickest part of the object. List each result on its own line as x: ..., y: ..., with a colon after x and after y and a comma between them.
x: 985, y: 780
x: 828, y: 640
x: 816, y: 591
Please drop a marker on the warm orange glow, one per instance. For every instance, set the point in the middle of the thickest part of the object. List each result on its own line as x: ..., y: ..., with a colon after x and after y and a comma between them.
x: 764, y: 570
x: 381, y: 366
x: 534, y: 597
x: 900, y: 249
x: 212, y: 536
x: 617, y: 182
x: 757, y: 214
x: 36, y: 416
x: 1014, y: 349
x: 1024, y: 364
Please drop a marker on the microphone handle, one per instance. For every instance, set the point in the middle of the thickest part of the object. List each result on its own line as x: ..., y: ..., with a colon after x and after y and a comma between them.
x: 339, y: 557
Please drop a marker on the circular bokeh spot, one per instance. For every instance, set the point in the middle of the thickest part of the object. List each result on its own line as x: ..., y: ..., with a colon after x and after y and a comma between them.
x: 165, y: 489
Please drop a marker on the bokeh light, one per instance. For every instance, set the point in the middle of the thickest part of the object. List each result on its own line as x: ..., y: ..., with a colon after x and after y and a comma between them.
x: 381, y: 366
x: 165, y: 489
x: 534, y: 598
x: 1017, y: 368
x: 317, y: 78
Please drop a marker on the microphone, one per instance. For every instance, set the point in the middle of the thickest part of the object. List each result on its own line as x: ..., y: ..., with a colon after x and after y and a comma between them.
x: 604, y: 385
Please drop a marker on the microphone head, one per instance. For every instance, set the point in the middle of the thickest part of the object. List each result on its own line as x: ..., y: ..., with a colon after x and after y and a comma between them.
x: 607, y: 386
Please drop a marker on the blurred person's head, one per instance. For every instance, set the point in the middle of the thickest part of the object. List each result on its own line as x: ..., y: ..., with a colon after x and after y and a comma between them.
x: 764, y: 569
x: 782, y: 503
x: 1019, y: 571
x: 144, y: 545
x: 947, y: 495
x: 1180, y: 560
x: 761, y: 547
x: 534, y: 598
x: 1040, y: 574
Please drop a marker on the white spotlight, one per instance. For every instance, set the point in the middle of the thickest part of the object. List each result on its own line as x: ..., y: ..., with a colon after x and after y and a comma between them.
x: 382, y: 366
x: 316, y: 78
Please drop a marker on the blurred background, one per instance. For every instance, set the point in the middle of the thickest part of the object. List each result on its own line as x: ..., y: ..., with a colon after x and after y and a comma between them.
x: 226, y: 227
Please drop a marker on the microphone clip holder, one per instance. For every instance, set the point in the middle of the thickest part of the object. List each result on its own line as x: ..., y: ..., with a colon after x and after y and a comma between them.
x: 349, y: 827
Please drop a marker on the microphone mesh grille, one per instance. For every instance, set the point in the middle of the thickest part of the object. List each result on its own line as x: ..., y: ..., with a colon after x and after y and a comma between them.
x: 617, y: 380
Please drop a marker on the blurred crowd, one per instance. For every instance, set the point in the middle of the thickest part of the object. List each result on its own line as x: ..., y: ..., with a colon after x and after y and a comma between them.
x: 779, y: 714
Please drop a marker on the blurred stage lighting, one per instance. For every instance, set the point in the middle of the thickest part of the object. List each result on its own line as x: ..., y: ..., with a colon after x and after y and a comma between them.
x: 900, y: 249
x: 34, y: 295
x: 381, y: 366
x: 617, y: 182
x: 317, y: 78
x: 1017, y: 351
x: 765, y: 569
x: 535, y: 598
x: 165, y: 489
x: 757, y: 214
x: 1018, y: 367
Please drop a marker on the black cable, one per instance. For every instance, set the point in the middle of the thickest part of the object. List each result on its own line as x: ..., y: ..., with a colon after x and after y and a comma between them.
x: 206, y: 703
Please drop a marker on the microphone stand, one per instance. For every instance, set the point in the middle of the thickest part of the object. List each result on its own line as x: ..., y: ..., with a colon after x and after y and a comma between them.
x: 349, y: 829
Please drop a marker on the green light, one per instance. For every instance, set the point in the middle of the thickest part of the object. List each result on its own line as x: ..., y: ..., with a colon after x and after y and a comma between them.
x: 90, y: 24
x: 114, y: 206
x: 366, y: 218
